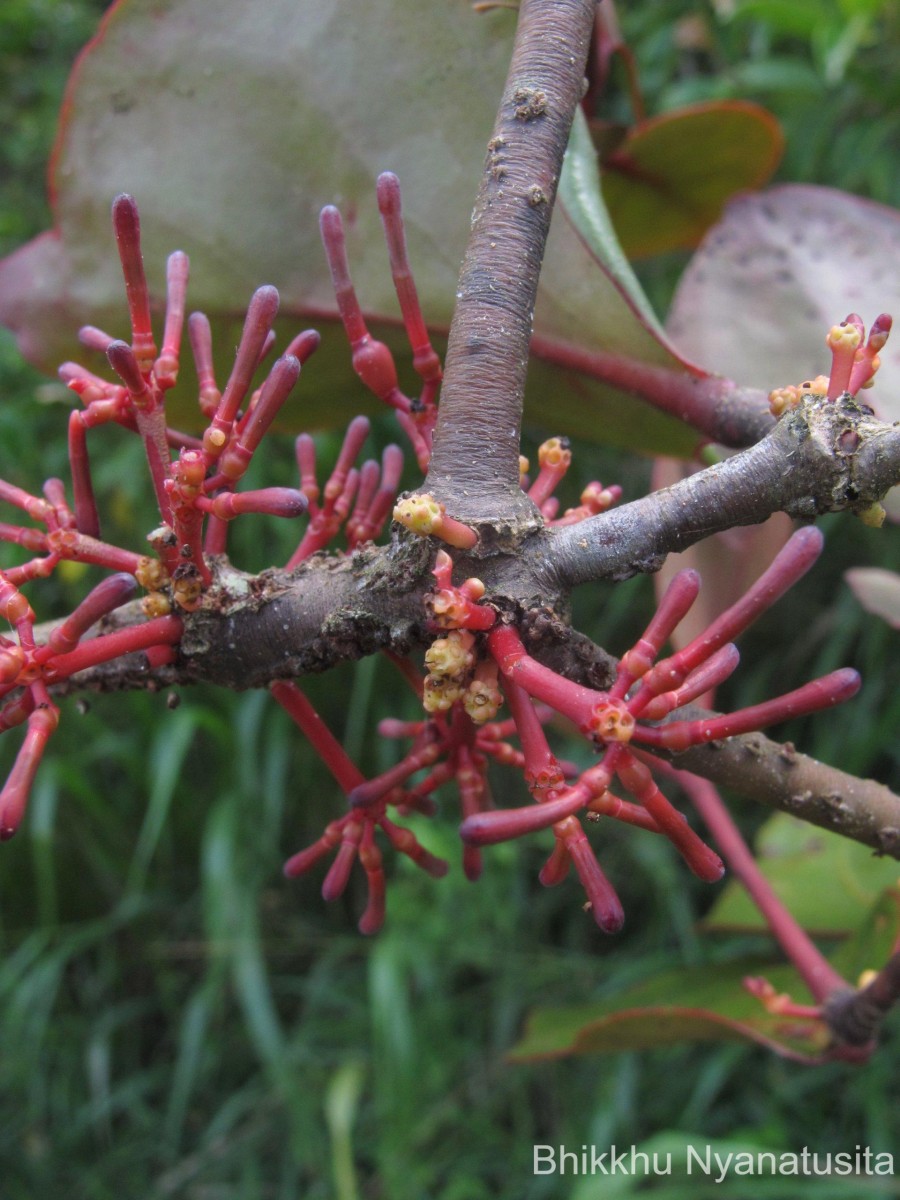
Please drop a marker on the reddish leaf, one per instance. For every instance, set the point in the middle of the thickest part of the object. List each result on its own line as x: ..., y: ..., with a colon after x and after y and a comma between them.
x: 704, y: 1004
x: 669, y: 180
x: 709, y: 1004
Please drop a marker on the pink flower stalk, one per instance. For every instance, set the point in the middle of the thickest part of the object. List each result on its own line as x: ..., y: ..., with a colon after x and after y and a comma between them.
x: 87, y: 517
x: 107, y: 596
x: 454, y: 607
x: 14, y: 796
x: 273, y: 501
x: 261, y: 313
x: 200, y: 336
x: 843, y: 341
x: 595, y: 499
x: 235, y: 459
x: 646, y: 689
x: 867, y: 360
x: 149, y: 415
x: 426, y: 362
x: 372, y: 359
x: 554, y: 459
x: 354, y: 834
x: 366, y: 525
x: 127, y: 228
x: 160, y: 632
x: 166, y: 366
x: 375, y: 492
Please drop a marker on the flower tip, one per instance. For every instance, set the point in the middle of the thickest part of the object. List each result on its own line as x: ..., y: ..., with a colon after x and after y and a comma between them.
x: 124, y: 209
x: 475, y: 831
x: 808, y: 541
x: 847, y: 683
x: 387, y: 192
x: 264, y: 302
x: 7, y: 828
x: 370, y: 923
x: 609, y: 920
x: 331, y: 226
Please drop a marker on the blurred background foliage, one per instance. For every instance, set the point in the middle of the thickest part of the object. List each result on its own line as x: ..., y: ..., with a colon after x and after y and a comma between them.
x: 178, y: 1021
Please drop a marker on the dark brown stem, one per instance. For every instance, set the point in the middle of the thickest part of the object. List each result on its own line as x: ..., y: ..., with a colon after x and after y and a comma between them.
x: 475, y: 464
x: 777, y: 775
x: 855, y: 1017
x: 821, y: 458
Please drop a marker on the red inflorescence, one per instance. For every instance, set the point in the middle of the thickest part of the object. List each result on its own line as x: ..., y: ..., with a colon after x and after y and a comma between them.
x: 196, y: 489
x: 478, y: 659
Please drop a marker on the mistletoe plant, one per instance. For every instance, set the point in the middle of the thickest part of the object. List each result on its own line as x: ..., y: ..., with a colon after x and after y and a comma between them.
x: 479, y: 565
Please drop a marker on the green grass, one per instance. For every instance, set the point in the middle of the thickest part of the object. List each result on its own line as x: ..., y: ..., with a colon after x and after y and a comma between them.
x: 177, y: 1020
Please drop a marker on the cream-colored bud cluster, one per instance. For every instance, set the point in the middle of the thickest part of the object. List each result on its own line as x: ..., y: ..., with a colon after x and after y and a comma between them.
x: 153, y: 577
x: 427, y: 517
x: 782, y: 400
x: 455, y: 675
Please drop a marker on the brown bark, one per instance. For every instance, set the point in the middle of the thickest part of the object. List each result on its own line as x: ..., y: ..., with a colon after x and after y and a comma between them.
x: 475, y: 465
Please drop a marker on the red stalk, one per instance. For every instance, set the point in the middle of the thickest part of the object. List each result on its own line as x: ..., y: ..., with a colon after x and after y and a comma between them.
x: 14, y: 796
x: 261, y: 312
x: 425, y: 360
x: 819, y: 975
x: 200, y: 336
x: 323, y: 741
x: 165, y: 368
x: 372, y: 360
x: 87, y: 517
x: 107, y: 596
x: 127, y: 229
x: 276, y: 389
x: 792, y: 561
x: 606, y: 908
x: 273, y: 501
x: 159, y: 631
x: 811, y: 697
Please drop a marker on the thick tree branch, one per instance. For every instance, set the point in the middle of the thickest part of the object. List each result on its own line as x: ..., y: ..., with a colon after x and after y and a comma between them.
x: 821, y: 458
x: 475, y: 464
x: 777, y: 775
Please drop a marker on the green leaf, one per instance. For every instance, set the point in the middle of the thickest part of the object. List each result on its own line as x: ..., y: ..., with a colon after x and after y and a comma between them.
x: 668, y: 181
x: 800, y: 18
x: 579, y: 192
x: 233, y: 124
x: 828, y: 883
x: 703, y: 1004
x: 875, y: 940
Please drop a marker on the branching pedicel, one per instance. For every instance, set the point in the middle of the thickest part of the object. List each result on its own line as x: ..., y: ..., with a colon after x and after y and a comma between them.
x: 477, y: 659
x: 196, y: 491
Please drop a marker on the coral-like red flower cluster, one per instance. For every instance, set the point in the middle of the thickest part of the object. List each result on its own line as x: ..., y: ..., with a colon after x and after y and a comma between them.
x: 475, y: 662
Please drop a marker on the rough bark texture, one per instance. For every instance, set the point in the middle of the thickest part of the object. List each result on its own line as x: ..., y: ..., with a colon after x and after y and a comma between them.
x: 776, y: 774
x: 820, y: 458
x: 475, y: 465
